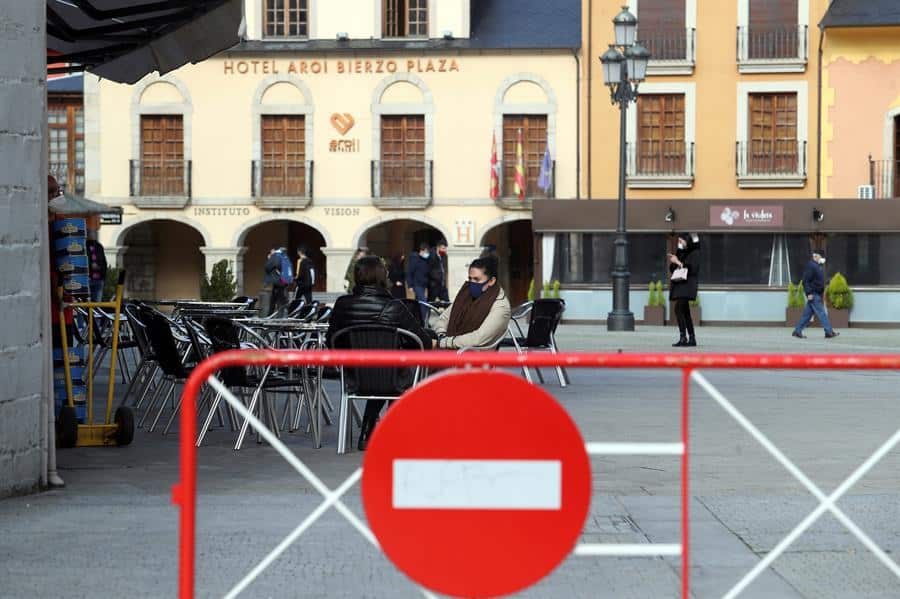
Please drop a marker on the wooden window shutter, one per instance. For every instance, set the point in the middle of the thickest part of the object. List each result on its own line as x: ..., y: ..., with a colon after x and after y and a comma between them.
x: 534, y: 144
x: 283, y: 155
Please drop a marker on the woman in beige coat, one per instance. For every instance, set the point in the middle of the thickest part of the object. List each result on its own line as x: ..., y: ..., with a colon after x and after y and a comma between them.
x: 479, y: 316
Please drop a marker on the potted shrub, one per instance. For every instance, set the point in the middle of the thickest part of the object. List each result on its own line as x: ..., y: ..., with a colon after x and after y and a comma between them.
x: 530, y: 295
x: 695, y: 310
x: 655, y: 310
x: 221, y: 286
x: 796, y: 303
x: 555, y: 294
x: 839, y: 297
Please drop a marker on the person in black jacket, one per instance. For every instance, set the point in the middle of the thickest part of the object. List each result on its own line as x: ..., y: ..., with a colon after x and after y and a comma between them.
x: 684, y: 291
x: 372, y: 303
x: 418, y: 267
x: 437, y: 274
x: 397, y: 277
x: 305, y: 275
x: 814, y: 286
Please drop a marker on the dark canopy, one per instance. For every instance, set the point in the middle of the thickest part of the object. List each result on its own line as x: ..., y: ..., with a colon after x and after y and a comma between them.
x: 123, y: 40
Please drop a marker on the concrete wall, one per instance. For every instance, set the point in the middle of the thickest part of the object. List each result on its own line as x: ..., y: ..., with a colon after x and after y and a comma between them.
x: 23, y: 227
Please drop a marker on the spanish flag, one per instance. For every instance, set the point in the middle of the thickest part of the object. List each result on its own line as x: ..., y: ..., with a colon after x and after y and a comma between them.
x: 519, y: 187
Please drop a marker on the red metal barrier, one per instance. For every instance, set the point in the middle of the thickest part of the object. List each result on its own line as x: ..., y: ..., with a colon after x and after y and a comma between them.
x: 184, y: 492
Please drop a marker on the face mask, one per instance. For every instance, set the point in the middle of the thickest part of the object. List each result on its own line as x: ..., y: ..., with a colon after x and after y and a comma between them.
x: 425, y: 255
x: 442, y: 252
x: 682, y: 245
x: 476, y: 289
x: 821, y: 260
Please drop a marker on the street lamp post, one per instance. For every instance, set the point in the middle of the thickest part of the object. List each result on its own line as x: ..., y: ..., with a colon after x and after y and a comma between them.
x: 624, y: 67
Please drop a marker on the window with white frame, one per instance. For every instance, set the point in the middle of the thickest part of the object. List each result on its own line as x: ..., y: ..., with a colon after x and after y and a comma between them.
x: 772, y: 134
x: 668, y: 29
x: 773, y: 36
x: 660, y: 135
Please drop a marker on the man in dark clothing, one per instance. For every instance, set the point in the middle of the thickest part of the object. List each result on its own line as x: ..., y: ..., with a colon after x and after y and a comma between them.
x: 437, y: 274
x: 418, y: 267
x: 273, y: 279
x: 97, y: 265
x: 305, y: 275
x: 814, y: 286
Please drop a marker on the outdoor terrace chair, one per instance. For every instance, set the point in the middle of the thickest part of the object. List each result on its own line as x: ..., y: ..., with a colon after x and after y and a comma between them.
x: 365, y: 384
x: 544, y: 318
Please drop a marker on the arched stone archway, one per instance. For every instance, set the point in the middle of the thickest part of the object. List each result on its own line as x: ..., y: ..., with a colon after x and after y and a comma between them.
x: 132, y: 223
x: 163, y: 258
x: 512, y: 237
x: 261, y: 235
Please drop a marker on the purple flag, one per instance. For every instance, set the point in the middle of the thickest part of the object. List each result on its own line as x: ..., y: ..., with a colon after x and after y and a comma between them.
x: 545, y: 178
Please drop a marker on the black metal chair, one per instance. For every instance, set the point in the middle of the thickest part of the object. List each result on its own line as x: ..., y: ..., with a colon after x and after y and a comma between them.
x: 147, y: 368
x: 544, y: 318
x: 365, y: 384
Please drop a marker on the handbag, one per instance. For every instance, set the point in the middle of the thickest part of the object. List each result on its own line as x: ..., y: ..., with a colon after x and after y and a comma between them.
x: 679, y: 274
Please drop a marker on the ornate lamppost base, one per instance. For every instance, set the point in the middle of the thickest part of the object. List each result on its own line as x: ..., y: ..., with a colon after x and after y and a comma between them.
x: 620, y: 320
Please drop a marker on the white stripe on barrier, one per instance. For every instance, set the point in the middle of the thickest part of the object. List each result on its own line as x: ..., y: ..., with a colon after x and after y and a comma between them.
x: 478, y: 484
x: 827, y: 503
x: 332, y: 498
x: 628, y: 550
x: 635, y: 448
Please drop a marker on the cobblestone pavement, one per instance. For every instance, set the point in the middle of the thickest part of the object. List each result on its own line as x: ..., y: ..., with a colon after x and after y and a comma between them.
x: 112, y: 532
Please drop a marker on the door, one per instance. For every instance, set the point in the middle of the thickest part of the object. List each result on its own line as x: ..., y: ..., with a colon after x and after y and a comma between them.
x: 403, y: 156
x: 283, y: 156
x: 162, y: 155
x: 895, y: 176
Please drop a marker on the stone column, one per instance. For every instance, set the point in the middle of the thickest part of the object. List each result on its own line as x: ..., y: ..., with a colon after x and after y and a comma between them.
x: 115, y: 255
x: 336, y: 261
x: 458, y: 260
x: 234, y: 255
x: 26, y: 400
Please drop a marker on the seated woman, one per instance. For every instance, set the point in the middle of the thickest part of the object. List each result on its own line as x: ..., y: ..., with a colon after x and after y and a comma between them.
x: 479, y: 315
x: 371, y: 303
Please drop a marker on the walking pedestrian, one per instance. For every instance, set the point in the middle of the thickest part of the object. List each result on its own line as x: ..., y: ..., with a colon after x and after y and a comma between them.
x: 814, y: 286
x: 277, y: 277
x: 305, y: 275
x: 437, y: 274
x: 397, y: 276
x: 684, y: 269
x: 418, y: 268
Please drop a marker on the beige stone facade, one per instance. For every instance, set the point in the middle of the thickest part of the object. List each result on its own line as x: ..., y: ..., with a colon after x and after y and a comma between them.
x: 168, y: 241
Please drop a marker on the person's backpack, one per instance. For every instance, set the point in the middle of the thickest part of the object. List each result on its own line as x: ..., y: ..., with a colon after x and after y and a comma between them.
x: 287, y: 271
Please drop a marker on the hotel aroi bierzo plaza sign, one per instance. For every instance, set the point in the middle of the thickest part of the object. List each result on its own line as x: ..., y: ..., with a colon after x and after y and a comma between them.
x: 356, y: 66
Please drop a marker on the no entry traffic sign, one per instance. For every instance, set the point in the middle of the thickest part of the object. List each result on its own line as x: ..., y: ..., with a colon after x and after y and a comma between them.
x: 476, y: 484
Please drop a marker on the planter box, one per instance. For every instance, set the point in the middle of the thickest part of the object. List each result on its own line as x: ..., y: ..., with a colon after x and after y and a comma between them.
x: 654, y: 315
x: 792, y: 317
x: 840, y: 319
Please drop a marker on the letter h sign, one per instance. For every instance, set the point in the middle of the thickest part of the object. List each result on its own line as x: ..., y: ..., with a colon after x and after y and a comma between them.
x: 464, y: 232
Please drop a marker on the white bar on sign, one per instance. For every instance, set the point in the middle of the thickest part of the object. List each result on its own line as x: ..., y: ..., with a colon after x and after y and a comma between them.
x: 477, y: 484
x: 635, y: 448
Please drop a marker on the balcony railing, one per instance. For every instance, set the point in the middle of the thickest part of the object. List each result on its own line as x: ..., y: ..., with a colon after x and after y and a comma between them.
x: 509, y: 199
x: 160, y: 183
x: 660, y: 164
x: 771, y: 163
x: 671, y: 50
x: 282, y: 183
x: 773, y: 49
x: 402, y: 183
x: 883, y: 178
x: 70, y: 185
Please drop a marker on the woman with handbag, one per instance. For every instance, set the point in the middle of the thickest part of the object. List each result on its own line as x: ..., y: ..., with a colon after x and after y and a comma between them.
x: 684, y: 269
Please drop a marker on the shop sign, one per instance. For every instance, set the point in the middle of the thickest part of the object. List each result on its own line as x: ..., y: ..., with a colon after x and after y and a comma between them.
x: 235, y: 211
x: 464, y: 232
x: 342, y: 212
x: 746, y: 216
x: 110, y: 218
x: 342, y: 123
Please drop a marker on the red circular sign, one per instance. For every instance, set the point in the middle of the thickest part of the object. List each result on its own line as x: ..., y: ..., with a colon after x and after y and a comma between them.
x: 476, y: 484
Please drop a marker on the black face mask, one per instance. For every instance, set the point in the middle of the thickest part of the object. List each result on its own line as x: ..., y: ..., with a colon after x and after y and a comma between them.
x: 476, y: 289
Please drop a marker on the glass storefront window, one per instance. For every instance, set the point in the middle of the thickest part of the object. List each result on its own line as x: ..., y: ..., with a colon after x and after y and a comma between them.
x: 865, y: 259
x: 725, y: 258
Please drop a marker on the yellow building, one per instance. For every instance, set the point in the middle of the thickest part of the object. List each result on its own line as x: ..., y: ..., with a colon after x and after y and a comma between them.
x: 722, y: 140
x: 337, y: 125
x: 728, y: 110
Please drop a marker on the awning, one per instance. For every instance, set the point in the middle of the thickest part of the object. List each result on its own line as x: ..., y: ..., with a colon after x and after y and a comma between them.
x: 76, y: 205
x: 123, y: 40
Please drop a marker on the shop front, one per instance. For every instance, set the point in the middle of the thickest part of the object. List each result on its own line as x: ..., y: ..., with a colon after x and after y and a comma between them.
x: 750, y: 252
